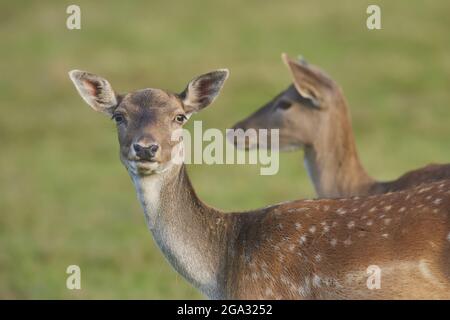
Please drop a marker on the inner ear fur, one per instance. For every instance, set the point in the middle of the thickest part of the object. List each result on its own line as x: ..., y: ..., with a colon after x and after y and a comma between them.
x: 95, y: 90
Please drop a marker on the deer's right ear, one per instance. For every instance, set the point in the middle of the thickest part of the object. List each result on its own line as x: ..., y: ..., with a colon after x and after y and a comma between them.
x: 96, y: 91
x: 202, y: 90
x: 305, y: 80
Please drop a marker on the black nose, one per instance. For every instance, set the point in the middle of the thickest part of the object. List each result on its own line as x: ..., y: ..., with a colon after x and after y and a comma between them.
x: 145, y: 152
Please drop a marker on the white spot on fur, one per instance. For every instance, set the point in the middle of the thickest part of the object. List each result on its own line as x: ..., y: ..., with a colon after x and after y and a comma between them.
x: 369, y: 223
x: 303, y: 292
x: 402, y: 209
x: 312, y: 229
x: 341, y: 211
x: 385, y: 235
x: 373, y: 209
x: 437, y: 201
x: 326, y: 229
x: 302, y: 239
x: 316, y: 281
x: 297, y: 209
x: 318, y: 257
x: 347, y: 242
x: 448, y: 237
x: 424, y: 189
x: 307, y: 285
x: 333, y: 242
x: 387, y: 208
x: 351, y: 224
x: 387, y: 221
x: 298, y: 226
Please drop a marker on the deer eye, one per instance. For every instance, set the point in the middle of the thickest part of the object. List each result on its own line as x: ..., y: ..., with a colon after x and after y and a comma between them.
x: 118, y: 118
x: 284, y: 105
x: 180, y: 118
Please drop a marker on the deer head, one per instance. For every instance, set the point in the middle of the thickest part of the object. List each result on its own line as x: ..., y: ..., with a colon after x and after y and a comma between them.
x: 148, y: 120
x: 311, y: 114
x: 303, y: 113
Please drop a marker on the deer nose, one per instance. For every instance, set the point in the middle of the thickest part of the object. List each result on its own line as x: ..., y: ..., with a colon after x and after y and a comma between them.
x: 145, y: 152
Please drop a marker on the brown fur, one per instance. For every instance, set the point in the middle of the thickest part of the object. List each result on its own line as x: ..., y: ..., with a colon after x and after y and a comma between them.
x: 402, y: 233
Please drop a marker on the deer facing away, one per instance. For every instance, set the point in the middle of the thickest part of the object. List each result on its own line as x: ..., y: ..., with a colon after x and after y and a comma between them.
x: 312, y: 114
x: 296, y: 250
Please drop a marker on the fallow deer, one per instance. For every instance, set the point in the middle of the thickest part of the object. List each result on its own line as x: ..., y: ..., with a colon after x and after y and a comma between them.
x: 306, y: 249
x: 312, y: 114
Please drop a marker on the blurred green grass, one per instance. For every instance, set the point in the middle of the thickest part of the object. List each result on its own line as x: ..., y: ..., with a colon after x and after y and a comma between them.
x: 64, y: 196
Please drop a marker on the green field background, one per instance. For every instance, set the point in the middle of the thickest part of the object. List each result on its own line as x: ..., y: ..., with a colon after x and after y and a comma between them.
x: 66, y: 199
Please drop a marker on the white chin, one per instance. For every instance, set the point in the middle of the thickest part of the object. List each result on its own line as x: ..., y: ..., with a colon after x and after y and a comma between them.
x: 142, y: 168
x: 146, y: 168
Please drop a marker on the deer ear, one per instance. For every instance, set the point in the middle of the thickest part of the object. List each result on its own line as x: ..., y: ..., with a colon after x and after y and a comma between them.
x: 202, y: 90
x: 96, y: 91
x: 306, y: 81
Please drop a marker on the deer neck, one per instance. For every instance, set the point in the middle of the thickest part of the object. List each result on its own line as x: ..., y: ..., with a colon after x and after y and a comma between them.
x: 333, y: 163
x: 191, y: 235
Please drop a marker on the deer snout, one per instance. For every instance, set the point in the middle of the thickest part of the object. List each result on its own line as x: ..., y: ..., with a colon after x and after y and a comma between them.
x: 145, y: 152
x: 243, y: 136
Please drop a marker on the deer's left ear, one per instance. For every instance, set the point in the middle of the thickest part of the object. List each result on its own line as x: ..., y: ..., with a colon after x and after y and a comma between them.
x: 306, y: 81
x: 96, y: 91
x: 202, y: 90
